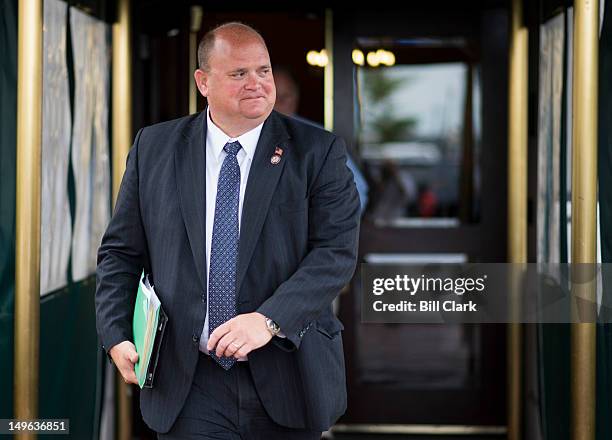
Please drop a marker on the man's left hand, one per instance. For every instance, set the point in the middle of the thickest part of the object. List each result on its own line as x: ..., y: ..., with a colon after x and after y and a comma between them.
x: 240, y: 335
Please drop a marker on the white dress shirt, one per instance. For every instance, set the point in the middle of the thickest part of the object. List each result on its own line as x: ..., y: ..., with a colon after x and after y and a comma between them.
x: 215, y: 154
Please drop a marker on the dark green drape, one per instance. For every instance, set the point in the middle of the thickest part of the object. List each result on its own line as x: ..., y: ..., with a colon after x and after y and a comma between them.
x: 70, y: 361
x: 8, y: 148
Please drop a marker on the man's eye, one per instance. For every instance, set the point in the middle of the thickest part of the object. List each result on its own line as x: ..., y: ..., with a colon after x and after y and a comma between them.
x: 237, y: 74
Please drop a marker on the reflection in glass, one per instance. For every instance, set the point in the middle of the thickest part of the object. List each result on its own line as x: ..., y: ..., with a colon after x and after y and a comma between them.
x: 418, y: 130
x: 417, y: 356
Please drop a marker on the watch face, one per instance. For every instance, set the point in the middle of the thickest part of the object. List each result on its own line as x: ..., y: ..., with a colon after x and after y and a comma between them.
x: 273, y: 326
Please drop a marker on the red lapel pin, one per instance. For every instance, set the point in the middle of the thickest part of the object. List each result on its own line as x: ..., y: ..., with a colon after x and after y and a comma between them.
x: 278, y: 152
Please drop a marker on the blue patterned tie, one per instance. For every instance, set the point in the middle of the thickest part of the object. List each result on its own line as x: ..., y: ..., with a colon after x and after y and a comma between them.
x: 224, y: 247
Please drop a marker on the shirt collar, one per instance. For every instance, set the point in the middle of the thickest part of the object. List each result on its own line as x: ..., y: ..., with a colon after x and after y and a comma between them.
x: 216, y: 138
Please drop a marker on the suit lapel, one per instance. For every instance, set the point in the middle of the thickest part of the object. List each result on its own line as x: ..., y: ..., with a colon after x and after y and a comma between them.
x: 190, y: 164
x: 263, y: 178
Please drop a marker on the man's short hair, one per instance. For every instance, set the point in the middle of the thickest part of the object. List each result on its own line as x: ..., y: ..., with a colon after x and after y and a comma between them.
x: 207, y: 43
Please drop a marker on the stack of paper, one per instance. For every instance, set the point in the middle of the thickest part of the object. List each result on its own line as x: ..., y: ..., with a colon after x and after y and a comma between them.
x: 148, y: 325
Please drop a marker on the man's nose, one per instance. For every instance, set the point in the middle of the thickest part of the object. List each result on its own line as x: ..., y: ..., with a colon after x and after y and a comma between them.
x: 252, y: 81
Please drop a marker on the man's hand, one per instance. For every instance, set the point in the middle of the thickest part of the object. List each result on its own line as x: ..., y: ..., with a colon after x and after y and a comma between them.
x: 240, y: 335
x: 125, y: 357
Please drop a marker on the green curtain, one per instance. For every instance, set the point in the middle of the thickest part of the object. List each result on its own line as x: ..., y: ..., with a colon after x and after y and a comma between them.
x: 8, y: 144
x: 604, y: 331
x: 70, y: 361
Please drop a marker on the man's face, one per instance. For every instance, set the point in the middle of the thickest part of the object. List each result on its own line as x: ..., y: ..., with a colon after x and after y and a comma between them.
x: 239, y: 84
x: 286, y: 94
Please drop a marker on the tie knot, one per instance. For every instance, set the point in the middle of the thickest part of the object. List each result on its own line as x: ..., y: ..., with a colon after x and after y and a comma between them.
x: 232, y: 148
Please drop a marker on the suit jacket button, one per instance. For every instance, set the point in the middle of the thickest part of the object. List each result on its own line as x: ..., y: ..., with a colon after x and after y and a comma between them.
x: 195, y: 338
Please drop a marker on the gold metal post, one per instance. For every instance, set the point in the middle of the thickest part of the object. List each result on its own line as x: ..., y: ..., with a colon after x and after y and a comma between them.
x: 584, y: 202
x: 27, y: 240
x: 122, y: 139
x: 328, y: 82
x: 196, y: 24
x: 122, y: 92
x: 517, y: 198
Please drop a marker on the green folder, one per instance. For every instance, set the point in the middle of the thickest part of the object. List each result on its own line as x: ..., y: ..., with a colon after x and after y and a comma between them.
x: 148, y: 325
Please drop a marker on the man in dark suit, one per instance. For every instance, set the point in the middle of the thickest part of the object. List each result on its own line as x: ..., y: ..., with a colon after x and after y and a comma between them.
x: 248, y: 222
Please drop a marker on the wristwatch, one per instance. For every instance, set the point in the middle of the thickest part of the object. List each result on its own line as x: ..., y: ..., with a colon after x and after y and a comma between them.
x: 273, y: 327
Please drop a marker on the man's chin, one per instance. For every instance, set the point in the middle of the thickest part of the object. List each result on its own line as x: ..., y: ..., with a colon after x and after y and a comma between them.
x: 256, y: 113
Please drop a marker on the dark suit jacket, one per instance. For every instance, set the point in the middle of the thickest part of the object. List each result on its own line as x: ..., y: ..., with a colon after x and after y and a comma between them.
x: 297, y: 249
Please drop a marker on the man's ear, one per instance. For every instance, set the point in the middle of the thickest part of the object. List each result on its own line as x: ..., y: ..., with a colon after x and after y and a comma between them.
x: 201, y: 79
